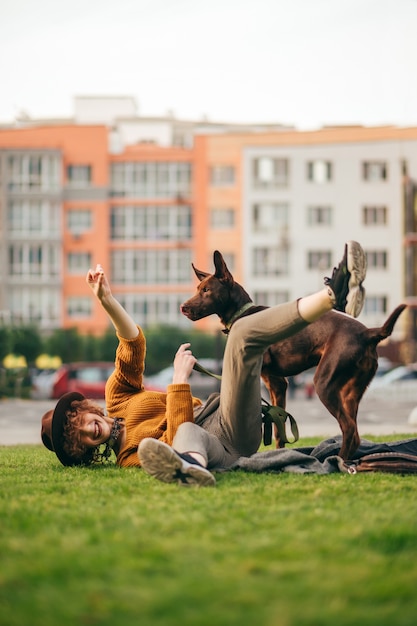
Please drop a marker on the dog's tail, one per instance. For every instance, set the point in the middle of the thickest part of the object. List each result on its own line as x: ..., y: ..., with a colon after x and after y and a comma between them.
x: 375, y: 335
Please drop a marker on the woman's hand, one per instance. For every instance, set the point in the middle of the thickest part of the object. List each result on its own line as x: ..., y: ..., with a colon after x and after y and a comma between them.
x: 121, y: 320
x: 98, y: 282
x: 183, y: 364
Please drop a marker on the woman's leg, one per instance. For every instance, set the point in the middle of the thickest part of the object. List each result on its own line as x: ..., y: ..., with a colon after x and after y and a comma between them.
x: 169, y: 465
x: 240, y: 393
x: 201, y: 445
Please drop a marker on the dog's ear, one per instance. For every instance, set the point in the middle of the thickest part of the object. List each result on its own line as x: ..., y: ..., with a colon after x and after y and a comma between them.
x: 222, y: 272
x: 200, y: 275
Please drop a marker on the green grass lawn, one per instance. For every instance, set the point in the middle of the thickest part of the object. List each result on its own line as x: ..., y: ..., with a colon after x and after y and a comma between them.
x: 114, y: 547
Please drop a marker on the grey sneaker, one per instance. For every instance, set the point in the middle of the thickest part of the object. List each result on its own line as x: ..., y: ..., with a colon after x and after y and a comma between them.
x: 347, y: 292
x: 162, y: 462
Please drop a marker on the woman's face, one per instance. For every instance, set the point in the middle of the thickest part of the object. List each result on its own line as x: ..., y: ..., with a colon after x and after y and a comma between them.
x: 94, y: 429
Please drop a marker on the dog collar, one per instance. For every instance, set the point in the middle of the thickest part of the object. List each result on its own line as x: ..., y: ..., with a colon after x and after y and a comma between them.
x: 238, y: 313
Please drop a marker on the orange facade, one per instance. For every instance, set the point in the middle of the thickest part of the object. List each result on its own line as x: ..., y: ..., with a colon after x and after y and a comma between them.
x: 88, y: 146
x: 78, y: 146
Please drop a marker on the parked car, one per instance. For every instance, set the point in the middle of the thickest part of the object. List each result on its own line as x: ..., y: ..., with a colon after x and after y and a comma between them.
x: 88, y: 378
x: 400, y: 382
x: 202, y: 385
x: 41, y: 384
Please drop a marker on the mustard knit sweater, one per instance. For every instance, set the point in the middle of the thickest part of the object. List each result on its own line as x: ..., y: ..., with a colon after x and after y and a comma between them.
x: 146, y: 413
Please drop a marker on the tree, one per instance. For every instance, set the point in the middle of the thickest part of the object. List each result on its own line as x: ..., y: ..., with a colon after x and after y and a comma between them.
x: 163, y: 341
x: 107, y: 345
x: 5, y: 342
x: 67, y: 344
x: 91, y: 348
x: 27, y: 341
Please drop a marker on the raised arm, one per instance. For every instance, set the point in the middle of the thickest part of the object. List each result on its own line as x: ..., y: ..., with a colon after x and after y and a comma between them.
x: 121, y: 320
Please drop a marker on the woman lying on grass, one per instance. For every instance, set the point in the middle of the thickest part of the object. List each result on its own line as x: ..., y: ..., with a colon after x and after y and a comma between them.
x: 172, y: 435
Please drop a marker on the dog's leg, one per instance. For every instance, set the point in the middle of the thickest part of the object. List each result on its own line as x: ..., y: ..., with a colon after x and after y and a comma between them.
x: 351, y: 439
x: 341, y: 398
x: 346, y: 419
x: 340, y: 387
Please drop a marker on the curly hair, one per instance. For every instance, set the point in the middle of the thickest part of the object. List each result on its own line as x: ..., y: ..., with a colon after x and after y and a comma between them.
x: 72, y: 443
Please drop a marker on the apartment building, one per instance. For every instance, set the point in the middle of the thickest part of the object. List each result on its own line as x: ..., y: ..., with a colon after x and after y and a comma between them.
x: 53, y: 201
x: 107, y: 186
x: 282, y: 204
x: 68, y: 204
x: 147, y: 196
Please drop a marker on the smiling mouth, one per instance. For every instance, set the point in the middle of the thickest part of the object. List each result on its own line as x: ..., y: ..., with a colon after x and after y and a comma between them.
x: 97, y: 430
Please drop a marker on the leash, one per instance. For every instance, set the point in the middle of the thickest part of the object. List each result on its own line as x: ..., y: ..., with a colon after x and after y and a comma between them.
x: 199, y: 368
x: 270, y: 414
x: 278, y: 416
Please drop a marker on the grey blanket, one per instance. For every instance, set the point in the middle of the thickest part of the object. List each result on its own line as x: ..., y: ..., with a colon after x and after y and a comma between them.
x: 292, y: 461
x: 322, y: 459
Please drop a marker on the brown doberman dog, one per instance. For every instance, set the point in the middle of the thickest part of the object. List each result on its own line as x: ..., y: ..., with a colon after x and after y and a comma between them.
x: 343, y: 349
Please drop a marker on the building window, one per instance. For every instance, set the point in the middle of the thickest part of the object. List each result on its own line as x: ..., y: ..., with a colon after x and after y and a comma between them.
x: 151, y: 266
x: 267, y: 215
x: 374, y: 170
x: 374, y: 215
x: 319, y: 215
x: 33, y: 218
x: 28, y: 260
x: 34, y: 172
x: 40, y: 304
x: 319, y: 171
x: 269, y: 172
x: 270, y: 298
x: 79, y: 306
x: 151, y: 180
x: 377, y: 259
x: 375, y: 305
x: 270, y: 261
x: 150, y: 223
x: 222, y: 219
x: 79, y: 176
x: 222, y: 175
x: 78, y: 262
x: 151, y: 309
x: 79, y: 221
x: 319, y: 259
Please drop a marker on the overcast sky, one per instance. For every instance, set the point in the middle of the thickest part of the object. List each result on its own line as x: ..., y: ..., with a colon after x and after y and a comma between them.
x: 301, y: 62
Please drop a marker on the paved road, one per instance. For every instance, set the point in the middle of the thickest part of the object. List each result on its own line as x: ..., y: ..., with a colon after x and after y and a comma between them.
x: 20, y: 419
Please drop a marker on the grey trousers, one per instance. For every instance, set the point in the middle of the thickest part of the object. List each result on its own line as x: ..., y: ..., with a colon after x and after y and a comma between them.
x: 230, y: 424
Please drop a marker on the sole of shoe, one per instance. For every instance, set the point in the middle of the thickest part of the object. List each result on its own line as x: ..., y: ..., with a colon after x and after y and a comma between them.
x: 356, y: 265
x: 355, y: 301
x: 159, y: 460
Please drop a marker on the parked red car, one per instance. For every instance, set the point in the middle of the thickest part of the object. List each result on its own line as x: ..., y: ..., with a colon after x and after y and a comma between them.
x: 86, y: 378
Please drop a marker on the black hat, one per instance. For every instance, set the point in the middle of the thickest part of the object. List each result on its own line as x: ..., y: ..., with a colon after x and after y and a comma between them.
x: 53, y: 427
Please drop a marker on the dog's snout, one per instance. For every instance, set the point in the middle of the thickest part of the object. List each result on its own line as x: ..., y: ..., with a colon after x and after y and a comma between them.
x: 186, y: 310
